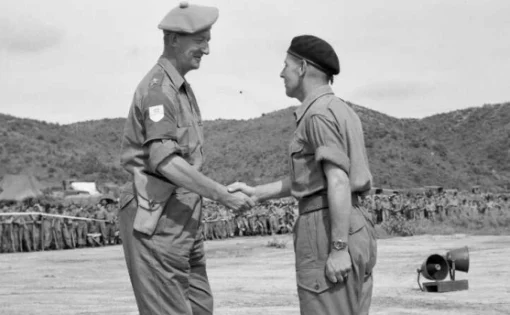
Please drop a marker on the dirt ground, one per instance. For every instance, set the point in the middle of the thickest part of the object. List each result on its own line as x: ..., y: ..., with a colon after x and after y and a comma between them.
x: 250, y: 278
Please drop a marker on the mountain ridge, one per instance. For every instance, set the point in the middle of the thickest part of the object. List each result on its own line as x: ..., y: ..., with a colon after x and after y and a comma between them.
x: 455, y: 149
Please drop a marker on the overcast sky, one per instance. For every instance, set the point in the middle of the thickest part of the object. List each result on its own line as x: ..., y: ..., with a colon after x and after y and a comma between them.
x: 65, y: 60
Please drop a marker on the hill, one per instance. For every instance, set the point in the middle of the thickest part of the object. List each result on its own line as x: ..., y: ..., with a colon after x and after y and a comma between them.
x: 456, y: 149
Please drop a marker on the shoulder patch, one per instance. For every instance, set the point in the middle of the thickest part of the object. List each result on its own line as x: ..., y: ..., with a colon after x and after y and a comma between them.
x: 156, y: 113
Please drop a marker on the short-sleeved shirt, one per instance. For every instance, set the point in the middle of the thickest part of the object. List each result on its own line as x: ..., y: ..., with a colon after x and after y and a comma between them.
x: 101, y: 214
x: 164, y: 109
x: 110, y: 216
x: 327, y: 130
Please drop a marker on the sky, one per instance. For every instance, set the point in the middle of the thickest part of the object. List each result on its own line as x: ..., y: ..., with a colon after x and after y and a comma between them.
x: 66, y: 60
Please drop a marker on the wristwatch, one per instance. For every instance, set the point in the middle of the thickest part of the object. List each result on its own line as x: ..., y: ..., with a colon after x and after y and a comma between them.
x: 339, y: 245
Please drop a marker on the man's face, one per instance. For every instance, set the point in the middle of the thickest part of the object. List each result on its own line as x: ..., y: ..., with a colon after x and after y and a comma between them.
x: 191, y: 48
x: 290, y: 76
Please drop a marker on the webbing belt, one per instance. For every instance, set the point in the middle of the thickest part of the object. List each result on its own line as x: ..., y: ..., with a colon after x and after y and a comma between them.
x: 320, y: 201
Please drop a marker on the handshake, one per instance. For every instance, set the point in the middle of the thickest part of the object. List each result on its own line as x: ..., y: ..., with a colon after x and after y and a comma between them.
x: 240, y: 197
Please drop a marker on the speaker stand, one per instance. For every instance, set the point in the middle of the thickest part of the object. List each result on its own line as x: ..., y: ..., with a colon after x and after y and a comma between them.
x: 446, y: 286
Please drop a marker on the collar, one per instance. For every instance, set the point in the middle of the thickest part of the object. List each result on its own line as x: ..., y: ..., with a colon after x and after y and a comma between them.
x: 172, y: 73
x: 310, y: 99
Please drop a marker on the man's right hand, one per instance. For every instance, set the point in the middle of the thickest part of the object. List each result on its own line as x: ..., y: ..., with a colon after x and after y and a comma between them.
x: 242, y: 187
x: 237, y: 201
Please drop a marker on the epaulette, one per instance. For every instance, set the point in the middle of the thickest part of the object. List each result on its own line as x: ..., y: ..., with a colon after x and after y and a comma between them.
x: 157, y: 79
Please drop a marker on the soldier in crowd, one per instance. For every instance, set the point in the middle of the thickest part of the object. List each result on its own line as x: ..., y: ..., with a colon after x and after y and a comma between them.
x: 241, y: 225
x: 110, y: 225
x: 17, y: 231
x: 25, y: 235
x: 67, y: 227
x: 379, y: 211
x: 395, y: 205
x: 273, y: 220
x: 74, y: 224
x: 9, y: 242
x: 386, y: 207
x: 37, y: 226
x: 94, y: 235
x: 57, y: 223
x: 102, y: 215
x: 82, y: 227
x: 46, y: 236
x: 2, y: 220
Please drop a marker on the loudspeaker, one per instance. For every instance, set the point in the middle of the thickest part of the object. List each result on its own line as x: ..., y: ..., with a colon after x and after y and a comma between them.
x: 458, y: 259
x: 435, y: 267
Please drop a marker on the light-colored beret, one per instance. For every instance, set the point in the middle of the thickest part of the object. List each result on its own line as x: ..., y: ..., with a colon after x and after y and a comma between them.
x: 189, y: 19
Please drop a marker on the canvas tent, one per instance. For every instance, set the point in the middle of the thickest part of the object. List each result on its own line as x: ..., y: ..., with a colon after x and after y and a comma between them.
x: 87, y: 200
x: 89, y: 187
x: 19, y: 187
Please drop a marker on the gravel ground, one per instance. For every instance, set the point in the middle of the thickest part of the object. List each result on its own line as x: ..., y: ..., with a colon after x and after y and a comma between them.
x: 250, y: 278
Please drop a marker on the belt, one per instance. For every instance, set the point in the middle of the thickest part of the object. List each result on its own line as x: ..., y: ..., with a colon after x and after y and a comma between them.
x: 320, y: 201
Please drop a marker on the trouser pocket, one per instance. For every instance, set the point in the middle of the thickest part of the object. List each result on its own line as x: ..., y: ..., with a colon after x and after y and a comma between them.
x: 362, y: 241
x: 311, y: 245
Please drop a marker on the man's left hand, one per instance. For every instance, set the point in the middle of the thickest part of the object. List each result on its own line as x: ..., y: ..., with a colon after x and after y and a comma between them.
x: 338, y: 265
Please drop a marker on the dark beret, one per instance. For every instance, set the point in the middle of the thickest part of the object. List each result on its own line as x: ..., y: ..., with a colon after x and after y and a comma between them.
x: 317, y: 52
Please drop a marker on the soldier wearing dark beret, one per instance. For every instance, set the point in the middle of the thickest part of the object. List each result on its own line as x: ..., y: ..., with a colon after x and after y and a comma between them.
x: 334, y: 239
x: 162, y: 148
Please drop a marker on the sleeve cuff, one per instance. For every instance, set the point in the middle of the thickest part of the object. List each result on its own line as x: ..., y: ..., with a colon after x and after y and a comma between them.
x: 159, y: 151
x: 335, y: 156
x: 162, y: 137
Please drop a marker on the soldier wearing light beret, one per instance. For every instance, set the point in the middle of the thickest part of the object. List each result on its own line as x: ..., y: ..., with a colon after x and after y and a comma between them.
x: 334, y: 236
x: 162, y: 149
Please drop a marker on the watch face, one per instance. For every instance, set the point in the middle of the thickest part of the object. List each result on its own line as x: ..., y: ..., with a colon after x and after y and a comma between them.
x: 339, y: 245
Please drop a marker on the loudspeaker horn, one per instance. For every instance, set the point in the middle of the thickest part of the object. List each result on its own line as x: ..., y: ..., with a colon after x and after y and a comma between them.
x: 458, y: 259
x: 435, y: 267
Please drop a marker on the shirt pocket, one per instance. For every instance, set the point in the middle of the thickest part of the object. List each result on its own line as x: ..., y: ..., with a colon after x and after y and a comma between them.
x: 183, y: 139
x: 189, y: 137
x: 126, y: 196
x: 295, y: 162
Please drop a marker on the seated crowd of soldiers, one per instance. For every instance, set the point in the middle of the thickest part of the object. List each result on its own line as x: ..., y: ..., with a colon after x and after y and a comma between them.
x: 433, y: 206
x: 85, y: 226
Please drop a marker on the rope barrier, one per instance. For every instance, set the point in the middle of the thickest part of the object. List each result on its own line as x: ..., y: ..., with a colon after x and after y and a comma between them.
x: 50, y: 215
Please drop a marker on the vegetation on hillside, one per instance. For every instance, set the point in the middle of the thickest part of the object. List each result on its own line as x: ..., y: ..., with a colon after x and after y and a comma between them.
x: 456, y: 149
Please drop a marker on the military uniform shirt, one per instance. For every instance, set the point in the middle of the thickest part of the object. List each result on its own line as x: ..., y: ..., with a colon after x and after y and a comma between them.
x: 327, y: 130
x: 164, y: 109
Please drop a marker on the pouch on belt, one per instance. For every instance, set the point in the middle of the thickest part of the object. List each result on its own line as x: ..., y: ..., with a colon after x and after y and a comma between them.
x: 152, y: 194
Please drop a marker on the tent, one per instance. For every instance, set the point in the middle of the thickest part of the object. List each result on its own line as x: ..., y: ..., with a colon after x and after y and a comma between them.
x: 87, y: 200
x: 89, y: 187
x: 111, y: 189
x: 434, y: 189
x: 19, y: 187
x: 383, y: 191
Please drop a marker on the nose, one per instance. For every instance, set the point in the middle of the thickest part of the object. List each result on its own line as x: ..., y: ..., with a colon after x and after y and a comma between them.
x: 205, y: 48
x: 281, y: 74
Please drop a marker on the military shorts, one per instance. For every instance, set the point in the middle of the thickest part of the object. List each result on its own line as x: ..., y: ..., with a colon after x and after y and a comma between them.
x: 319, y: 296
x: 168, y: 269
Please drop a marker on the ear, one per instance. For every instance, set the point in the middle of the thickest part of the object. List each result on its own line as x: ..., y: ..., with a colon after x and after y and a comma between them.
x: 172, y: 39
x: 303, y: 68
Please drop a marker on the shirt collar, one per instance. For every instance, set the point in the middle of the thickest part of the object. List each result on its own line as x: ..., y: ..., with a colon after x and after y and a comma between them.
x: 308, y: 101
x: 170, y: 70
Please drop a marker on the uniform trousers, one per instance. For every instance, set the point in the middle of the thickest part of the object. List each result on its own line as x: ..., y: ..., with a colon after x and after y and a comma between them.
x: 312, y: 244
x: 168, y: 269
